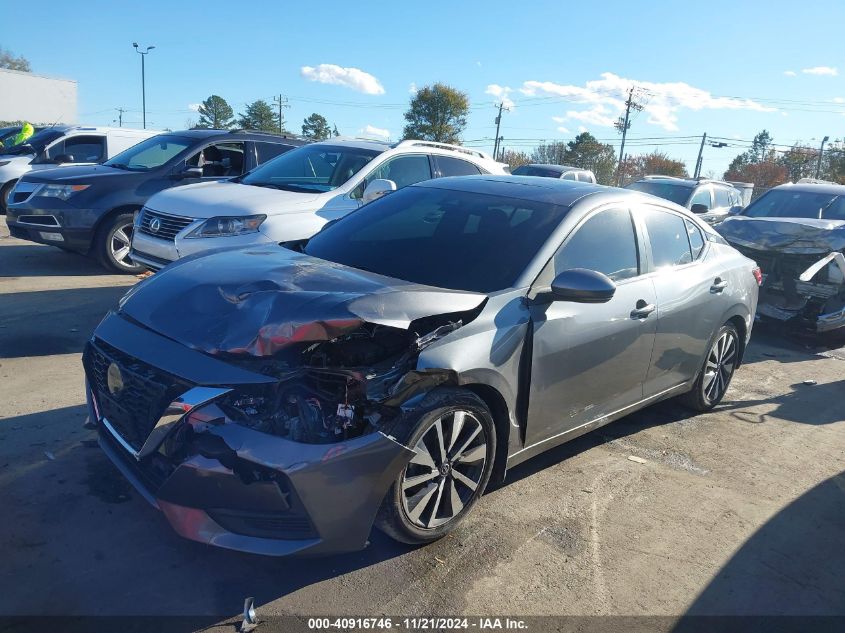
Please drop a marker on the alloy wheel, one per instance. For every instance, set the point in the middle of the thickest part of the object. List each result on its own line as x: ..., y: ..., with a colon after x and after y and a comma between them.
x: 720, y: 366
x: 119, y: 244
x: 444, y: 475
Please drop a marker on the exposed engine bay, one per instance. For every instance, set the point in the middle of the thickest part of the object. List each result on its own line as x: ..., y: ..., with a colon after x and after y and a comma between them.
x: 335, y: 390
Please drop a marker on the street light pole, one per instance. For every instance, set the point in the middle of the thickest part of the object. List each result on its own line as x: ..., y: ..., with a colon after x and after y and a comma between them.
x: 821, y: 153
x: 143, y: 54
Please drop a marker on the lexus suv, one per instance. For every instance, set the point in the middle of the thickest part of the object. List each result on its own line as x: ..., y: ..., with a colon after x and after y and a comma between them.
x: 291, y: 197
x: 711, y: 200
x: 277, y: 399
x: 90, y: 210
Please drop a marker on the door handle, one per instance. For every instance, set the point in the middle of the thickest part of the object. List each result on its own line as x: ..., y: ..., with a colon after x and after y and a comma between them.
x: 642, y: 310
x: 718, y: 285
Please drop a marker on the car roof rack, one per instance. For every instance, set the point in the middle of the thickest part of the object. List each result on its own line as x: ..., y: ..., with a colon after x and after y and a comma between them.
x: 446, y: 146
x: 662, y: 177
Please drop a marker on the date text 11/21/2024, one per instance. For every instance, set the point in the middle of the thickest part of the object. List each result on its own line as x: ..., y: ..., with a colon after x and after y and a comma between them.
x: 417, y: 623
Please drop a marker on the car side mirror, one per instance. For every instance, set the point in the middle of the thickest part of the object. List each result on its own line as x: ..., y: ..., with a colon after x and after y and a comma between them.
x: 378, y: 188
x: 63, y: 158
x: 699, y: 208
x: 735, y: 210
x: 189, y: 172
x: 580, y: 285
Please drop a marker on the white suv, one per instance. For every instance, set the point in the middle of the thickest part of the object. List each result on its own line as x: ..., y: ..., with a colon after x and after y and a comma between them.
x: 292, y: 196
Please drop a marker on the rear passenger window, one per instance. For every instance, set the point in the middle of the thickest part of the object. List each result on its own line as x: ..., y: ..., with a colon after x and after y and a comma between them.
x: 723, y: 198
x: 667, y: 233
x: 583, y: 176
x: 696, y: 239
x: 605, y: 243
x: 702, y: 196
x: 448, y: 166
x: 268, y: 151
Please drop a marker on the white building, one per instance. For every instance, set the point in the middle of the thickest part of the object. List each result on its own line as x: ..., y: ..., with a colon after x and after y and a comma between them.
x: 35, y: 98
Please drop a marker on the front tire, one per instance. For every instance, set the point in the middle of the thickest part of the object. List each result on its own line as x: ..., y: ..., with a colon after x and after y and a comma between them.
x: 6, y: 195
x: 716, y: 373
x: 111, y: 245
x: 454, y: 438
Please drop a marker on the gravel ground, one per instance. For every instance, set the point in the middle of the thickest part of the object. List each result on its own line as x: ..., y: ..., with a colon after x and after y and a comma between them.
x: 741, y: 510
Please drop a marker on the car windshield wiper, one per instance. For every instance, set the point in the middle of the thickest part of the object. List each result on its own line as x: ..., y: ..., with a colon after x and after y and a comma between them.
x: 293, y: 188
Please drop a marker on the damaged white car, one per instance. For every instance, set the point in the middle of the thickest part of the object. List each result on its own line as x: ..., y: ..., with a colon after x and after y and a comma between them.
x: 796, y: 234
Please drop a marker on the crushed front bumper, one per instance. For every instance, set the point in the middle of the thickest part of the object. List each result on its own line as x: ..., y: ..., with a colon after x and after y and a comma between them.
x: 231, y: 486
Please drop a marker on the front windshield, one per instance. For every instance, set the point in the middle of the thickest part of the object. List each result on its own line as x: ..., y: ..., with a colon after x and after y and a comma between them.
x: 675, y: 192
x: 311, y: 168
x: 784, y: 203
x: 440, y: 237
x: 36, y: 143
x: 151, y: 153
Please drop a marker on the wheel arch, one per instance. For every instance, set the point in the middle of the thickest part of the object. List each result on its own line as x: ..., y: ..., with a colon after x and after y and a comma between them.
x: 495, y: 401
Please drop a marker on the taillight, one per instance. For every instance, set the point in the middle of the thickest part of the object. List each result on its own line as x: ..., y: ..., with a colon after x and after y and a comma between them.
x: 758, y: 275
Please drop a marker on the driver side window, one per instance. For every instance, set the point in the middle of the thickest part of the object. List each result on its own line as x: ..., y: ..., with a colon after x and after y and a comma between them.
x: 606, y: 243
x: 403, y: 170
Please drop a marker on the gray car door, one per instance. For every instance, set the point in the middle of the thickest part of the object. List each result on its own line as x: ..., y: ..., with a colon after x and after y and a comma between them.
x: 590, y: 360
x: 689, y: 288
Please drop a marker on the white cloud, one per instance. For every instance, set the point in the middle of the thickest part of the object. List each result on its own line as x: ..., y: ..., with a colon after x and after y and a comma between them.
x: 662, y: 101
x: 821, y: 70
x: 370, y: 131
x: 413, y: 88
x: 501, y: 93
x: 581, y: 128
x: 353, y: 78
x: 839, y: 100
x: 563, y: 130
x: 790, y: 73
x: 194, y: 106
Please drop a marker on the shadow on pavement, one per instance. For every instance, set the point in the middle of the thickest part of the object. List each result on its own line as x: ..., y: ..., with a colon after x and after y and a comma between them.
x: 792, y: 566
x: 816, y: 404
x: 47, y: 322
x: 36, y: 260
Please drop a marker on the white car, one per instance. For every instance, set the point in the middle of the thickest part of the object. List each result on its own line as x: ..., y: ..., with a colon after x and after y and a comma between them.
x: 62, y: 145
x: 292, y: 196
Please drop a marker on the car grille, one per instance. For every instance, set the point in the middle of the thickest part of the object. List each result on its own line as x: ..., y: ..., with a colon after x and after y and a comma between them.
x: 288, y: 526
x: 161, y: 225
x: 134, y: 410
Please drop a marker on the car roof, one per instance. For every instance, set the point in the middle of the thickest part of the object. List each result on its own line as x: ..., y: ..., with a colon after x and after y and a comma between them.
x: 686, y: 182
x: 830, y: 188
x: 357, y: 143
x: 236, y: 134
x: 561, y: 169
x: 530, y: 188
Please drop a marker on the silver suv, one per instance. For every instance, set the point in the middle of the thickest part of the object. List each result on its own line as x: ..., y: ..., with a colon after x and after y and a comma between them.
x: 711, y: 200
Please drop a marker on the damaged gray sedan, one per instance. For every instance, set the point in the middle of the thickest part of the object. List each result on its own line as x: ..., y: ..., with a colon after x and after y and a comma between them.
x: 796, y: 233
x: 284, y: 399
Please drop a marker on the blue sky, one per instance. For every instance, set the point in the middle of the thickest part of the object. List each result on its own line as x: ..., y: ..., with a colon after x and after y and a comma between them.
x: 718, y: 68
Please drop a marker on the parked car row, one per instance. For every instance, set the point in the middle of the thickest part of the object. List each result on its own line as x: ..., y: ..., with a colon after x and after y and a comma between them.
x: 91, y: 209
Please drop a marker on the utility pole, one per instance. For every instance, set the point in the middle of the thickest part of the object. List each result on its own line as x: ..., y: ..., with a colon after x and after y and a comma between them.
x: 143, y: 55
x: 282, y: 102
x: 629, y: 104
x: 498, y: 124
x: 700, y: 154
x: 120, y: 112
x: 821, y: 153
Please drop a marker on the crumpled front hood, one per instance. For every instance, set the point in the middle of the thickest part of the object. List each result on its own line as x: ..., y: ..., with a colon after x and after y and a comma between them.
x: 212, y: 199
x: 785, y: 235
x: 257, y: 301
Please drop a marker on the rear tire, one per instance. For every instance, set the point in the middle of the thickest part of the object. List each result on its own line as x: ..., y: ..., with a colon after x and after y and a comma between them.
x: 716, y: 372
x: 432, y: 495
x: 111, y: 245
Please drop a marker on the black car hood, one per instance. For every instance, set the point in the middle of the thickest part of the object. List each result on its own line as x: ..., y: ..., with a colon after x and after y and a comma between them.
x: 80, y: 174
x: 257, y: 301
x: 785, y: 235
